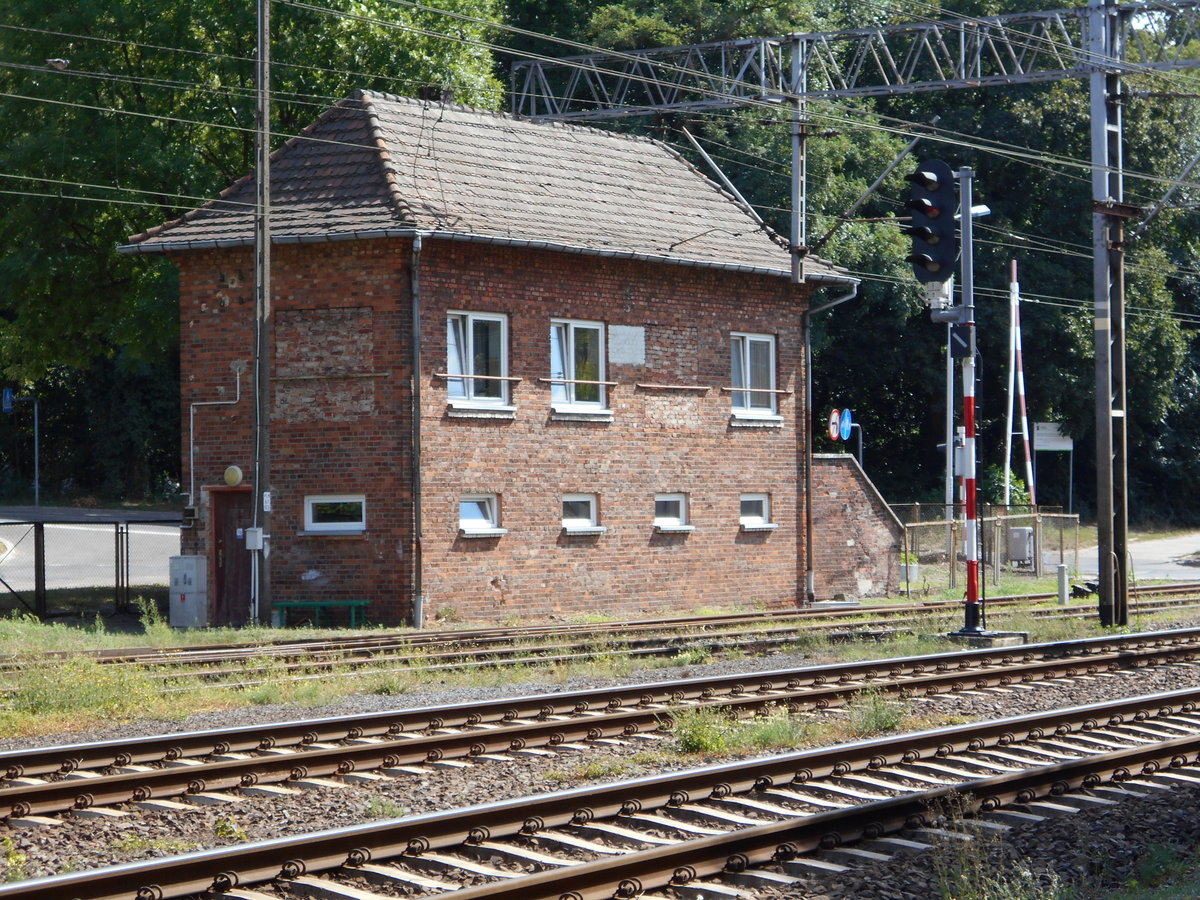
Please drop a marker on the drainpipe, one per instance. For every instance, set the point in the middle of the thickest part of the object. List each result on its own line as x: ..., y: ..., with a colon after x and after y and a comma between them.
x: 810, y: 592
x: 418, y: 596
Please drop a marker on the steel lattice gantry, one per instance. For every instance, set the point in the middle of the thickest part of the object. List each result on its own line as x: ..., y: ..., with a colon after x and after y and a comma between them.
x: 1100, y: 42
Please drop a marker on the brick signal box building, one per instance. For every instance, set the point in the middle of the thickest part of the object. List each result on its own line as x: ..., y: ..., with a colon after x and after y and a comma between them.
x: 516, y: 368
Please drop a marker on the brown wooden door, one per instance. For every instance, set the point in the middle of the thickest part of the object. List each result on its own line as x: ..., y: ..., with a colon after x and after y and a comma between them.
x: 231, y: 516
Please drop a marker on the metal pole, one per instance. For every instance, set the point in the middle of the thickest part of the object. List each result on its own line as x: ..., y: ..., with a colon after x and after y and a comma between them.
x: 799, y: 162
x: 37, y: 458
x: 1108, y: 260
x: 972, y: 622
x: 1013, y: 297
x: 1021, y: 405
x: 950, y: 554
x: 260, y: 607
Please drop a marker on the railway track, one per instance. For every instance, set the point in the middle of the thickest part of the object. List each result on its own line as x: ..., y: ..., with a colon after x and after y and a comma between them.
x: 751, y: 823
x: 148, y: 770
x: 251, y: 664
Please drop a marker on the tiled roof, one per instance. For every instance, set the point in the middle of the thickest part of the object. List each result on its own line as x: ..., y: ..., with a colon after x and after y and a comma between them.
x: 378, y: 164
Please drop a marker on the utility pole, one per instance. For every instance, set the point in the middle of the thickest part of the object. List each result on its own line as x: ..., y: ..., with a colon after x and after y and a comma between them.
x: 1108, y: 236
x: 258, y: 542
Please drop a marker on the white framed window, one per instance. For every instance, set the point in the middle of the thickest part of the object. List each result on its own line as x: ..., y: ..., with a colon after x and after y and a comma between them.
x: 754, y: 513
x: 580, y: 514
x: 479, y: 515
x: 477, y: 359
x: 334, y: 513
x: 671, y: 513
x: 752, y: 371
x: 577, y: 366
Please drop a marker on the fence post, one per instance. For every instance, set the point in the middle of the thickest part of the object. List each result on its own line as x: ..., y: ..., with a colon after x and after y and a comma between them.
x: 39, y: 569
x: 953, y: 561
x: 1037, y: 544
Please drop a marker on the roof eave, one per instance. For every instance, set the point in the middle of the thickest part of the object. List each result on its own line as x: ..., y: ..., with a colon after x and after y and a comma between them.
x: 164, y: 247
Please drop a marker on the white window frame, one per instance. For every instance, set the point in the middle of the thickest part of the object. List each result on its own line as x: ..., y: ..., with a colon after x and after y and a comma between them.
x: 563, y: 395
x: 756, y: 523
x: 312, y: 526
x: 489, y: 525
x: 672, y: 524
x: 744, y: 403
x: 457, y: 369
x: 590, y: 524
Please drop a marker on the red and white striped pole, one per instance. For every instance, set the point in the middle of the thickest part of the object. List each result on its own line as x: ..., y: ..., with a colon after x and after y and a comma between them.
x: 1021, y: 387
x: 973, y: 618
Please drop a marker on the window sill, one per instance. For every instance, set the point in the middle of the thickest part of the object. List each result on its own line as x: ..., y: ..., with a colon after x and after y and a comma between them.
x: 465, y: 409
x: 584, y: 529
x: 762, y: 526
x: 339, y: 533
x: 562, y: 412
x: 754, y: 420
x: 481, y: 532
x: 674, y: 529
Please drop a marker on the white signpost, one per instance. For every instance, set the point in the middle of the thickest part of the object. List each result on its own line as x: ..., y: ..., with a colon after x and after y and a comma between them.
x: 1049, y: 437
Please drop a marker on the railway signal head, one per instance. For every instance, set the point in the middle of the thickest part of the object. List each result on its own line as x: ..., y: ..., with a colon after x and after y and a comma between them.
x: 933, y: 203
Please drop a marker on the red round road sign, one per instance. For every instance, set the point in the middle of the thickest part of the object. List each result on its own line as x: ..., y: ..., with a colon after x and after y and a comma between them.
x: 835, y: 424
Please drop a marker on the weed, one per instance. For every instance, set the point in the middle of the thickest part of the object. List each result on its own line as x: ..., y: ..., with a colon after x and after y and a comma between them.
x: 872, y: 712
x: 227, y: 827
x: 16, y: 862
x: 702, y: 731
x: 447, y: 614
x: 158, y: 632
x: 983, y: 868
x: 139, y: 845
x: 777, y: 730
x: 389, y: 684
x: 107, y: 691
x: 385, y: 808
x: 603, y: 768
x: 692, y: 656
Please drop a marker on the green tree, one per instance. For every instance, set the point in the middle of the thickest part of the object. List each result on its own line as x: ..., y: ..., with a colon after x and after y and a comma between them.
x: 148, y: 113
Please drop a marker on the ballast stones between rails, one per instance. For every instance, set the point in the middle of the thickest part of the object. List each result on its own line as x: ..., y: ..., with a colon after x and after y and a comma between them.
x: 360, y: 755
x: 753, y: 813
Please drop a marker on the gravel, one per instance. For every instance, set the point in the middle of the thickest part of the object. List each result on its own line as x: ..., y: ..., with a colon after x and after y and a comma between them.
x: 1067, y: 847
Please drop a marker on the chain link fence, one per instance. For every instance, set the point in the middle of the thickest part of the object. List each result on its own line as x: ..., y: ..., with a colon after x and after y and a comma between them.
x: 66, y: 568
x: 1015, y: 542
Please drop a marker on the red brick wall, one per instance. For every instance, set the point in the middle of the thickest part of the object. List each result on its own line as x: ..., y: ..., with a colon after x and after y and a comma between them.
x: 856, y: 538
x: 342, y: 338
x: 342, y: 406
x: 658, y: 441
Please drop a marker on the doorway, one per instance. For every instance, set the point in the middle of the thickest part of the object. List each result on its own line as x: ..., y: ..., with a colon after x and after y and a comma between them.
x: 231, y: 516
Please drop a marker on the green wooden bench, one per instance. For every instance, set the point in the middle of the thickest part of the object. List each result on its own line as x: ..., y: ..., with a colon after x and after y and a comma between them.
x: 357, y: 608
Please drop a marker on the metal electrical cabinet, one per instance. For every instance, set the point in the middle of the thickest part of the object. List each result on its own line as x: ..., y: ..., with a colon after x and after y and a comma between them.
x: 189, y: 592
x: 1020, y: 544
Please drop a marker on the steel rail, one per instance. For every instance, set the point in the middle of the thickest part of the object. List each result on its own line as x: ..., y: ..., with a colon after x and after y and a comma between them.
x: 242, y: 866
x: 549, y: 730
x: 471, y: 637
x: 678, y: 864
x: 68, y: 758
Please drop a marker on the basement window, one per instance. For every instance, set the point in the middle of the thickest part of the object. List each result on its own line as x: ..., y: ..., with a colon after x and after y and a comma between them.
x: 755, y: 513
x: 479, y: 516
x: 671, y: 514
x: 335, y: 513
x: 579, y: 514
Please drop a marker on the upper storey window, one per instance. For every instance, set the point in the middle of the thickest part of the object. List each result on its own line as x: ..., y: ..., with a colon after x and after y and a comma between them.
x: 477, y: 358
x: 577, y: 365
x: 752, y: 364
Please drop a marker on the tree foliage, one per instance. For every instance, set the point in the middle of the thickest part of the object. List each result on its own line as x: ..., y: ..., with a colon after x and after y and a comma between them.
x: 1029, y: 147
x: 150, y: 113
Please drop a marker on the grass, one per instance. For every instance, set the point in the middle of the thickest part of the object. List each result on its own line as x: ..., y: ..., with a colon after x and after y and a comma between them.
x: 33, y: 702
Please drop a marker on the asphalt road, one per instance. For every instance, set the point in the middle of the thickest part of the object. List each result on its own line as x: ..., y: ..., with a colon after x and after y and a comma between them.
x: 1155, y: 559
